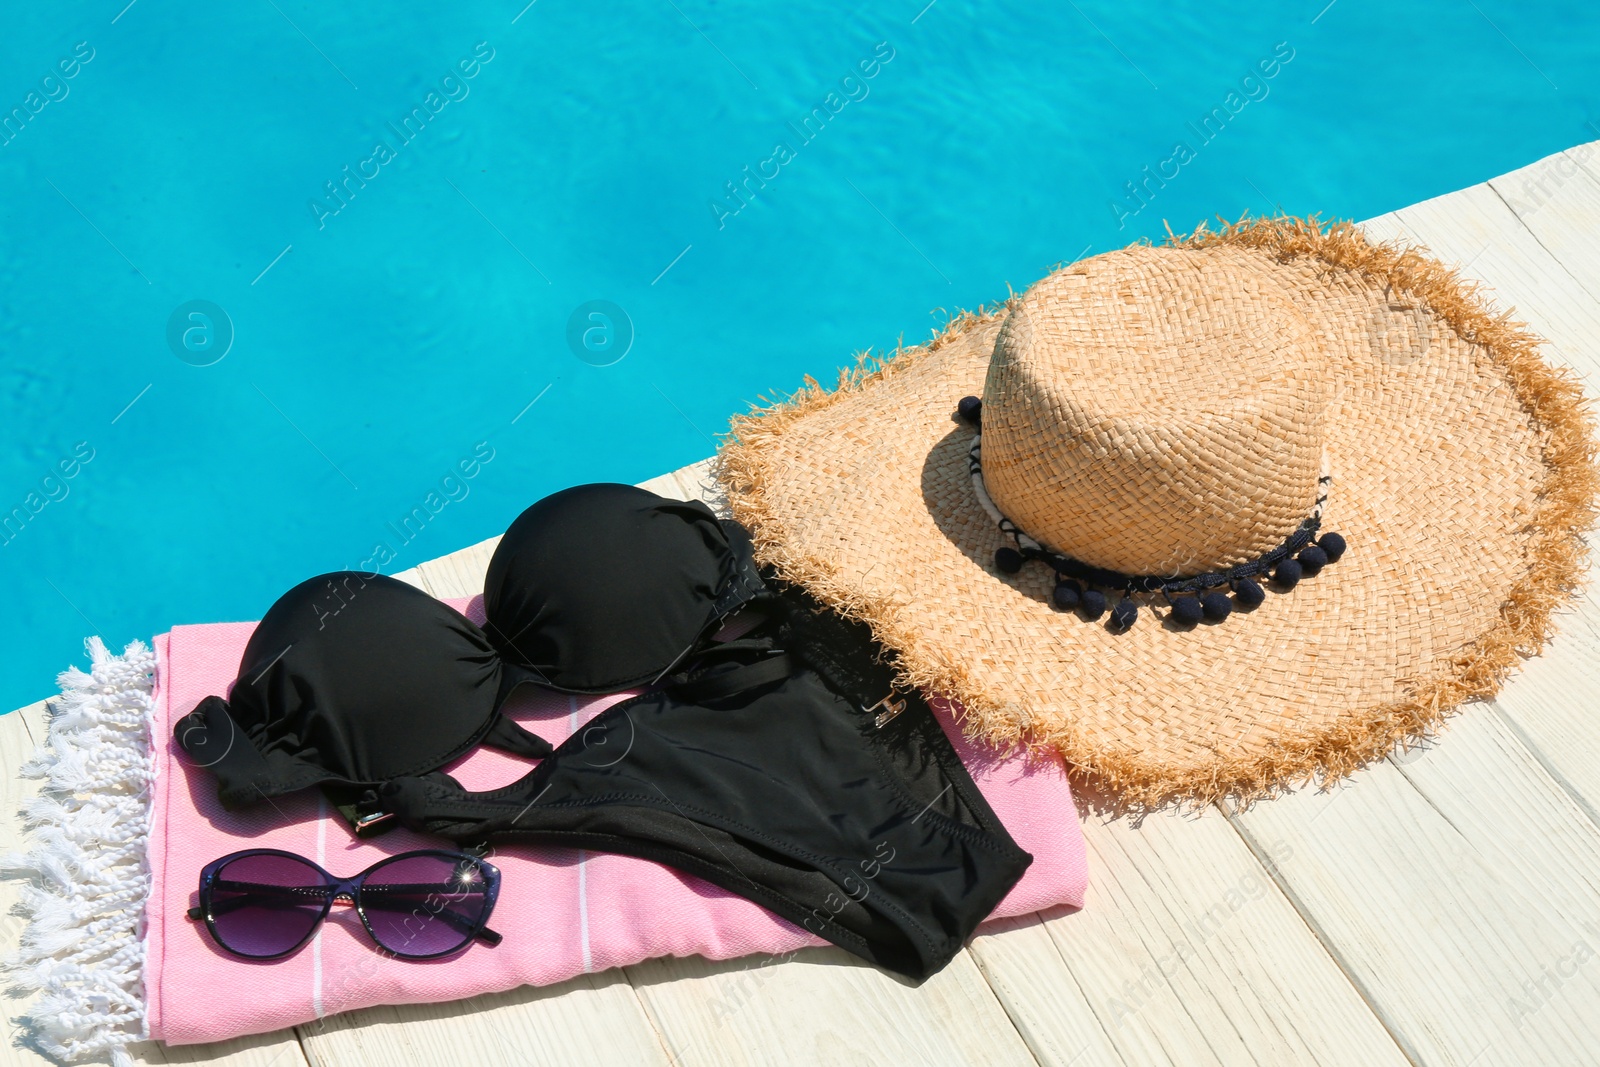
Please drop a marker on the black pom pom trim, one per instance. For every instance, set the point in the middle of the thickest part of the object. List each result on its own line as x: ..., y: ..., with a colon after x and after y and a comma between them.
x: 1216, y: 606
x: 1187, y: 610
x: 1079, y: 585
x: 1248, y: 593
x: 1066, y: 594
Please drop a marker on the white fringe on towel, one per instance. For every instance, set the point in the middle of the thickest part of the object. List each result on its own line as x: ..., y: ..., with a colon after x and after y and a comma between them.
x: 83, y: 950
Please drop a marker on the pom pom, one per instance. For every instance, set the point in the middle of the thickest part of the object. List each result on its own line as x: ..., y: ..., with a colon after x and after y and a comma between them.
x: 1288, y: 573
x: 1312, y: 559
x: 1093, y: 603
x: 1185, y: 609
x: 1008, y: 559
x: 1248, y: 593
x: 1067, y: 594
x: 1125, y: 614
x: 1333, y: 545
x: 1217, y: 606
x: 971, y: 409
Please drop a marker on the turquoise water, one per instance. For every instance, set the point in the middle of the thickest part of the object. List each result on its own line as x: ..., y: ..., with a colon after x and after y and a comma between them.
x: 285, y: 288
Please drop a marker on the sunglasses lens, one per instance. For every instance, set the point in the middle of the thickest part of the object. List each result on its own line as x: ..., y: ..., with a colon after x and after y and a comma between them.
x: 266, y: 905
x: 425, y: 905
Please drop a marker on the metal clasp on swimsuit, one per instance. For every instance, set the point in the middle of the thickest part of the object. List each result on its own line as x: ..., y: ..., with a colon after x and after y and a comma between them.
x: 891, y: 705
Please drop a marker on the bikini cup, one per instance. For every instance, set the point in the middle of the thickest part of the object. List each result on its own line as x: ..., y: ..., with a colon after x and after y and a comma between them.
x: 606, y: 587
x: 354, y: 679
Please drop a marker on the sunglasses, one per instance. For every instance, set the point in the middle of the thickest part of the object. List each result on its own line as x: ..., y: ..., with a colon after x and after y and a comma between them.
x: 264, y: 904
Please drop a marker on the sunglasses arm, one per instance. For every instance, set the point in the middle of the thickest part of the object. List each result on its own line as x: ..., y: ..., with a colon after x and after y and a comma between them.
x: 485, y: 934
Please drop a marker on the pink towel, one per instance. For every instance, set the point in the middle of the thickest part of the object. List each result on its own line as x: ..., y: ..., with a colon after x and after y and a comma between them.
x: 563, y: 912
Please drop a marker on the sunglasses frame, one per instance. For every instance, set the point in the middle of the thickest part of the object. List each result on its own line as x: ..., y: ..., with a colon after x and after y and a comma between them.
x: 350, y: 889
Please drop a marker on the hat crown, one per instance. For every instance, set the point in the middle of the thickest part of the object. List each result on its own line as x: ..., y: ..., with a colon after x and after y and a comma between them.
x: 1156, y: 411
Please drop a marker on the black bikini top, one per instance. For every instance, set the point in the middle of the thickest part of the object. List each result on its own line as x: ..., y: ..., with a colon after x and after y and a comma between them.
x: 605, y: 587
x: 354, y: 679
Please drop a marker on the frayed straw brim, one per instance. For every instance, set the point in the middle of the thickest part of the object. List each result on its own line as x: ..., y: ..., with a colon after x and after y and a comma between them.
x: 1464, y: 476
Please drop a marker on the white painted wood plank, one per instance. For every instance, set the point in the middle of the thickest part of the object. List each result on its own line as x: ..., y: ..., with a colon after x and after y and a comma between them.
x: 1186, y: 952
x: 698, y: 483
x: 412, y: 577
x: 1551, y: 703
x: 665, y: 485
x: 824, y: 1006
x: 1447, y: 878
x: 594, y: 1019
x: 1476, y: 230
x: 1039, y: 990
x: 281, y: 1049
x: 1460, y: 887
x: 1558, y: 200
x: 19, y: 733
x: 461, y: 572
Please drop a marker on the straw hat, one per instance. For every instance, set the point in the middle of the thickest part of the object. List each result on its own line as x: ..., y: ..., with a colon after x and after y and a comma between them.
x: 1246, y: 508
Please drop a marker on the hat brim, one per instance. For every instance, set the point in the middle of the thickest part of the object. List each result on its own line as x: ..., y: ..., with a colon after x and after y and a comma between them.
x: 1464, y: 475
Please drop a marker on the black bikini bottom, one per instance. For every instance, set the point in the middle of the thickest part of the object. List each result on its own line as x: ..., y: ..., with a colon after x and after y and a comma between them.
x: 858, y: 823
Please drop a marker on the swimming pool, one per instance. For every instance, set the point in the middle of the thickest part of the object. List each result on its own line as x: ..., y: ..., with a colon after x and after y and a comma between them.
x: 288, y: 288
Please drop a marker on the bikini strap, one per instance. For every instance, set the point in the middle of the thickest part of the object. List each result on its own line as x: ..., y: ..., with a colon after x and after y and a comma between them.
x: 508, y: 735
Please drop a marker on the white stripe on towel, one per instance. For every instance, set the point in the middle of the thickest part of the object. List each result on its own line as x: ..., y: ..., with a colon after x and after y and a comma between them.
x: 583, y: 878
x: 316, y: 940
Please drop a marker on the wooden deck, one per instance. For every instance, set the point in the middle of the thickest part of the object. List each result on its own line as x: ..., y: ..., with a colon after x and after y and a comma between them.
x: 1441, y: 908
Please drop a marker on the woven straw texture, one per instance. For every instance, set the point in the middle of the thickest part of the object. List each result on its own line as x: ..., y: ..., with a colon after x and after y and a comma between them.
x: 1463, y: 476
x: 1156, y: 412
